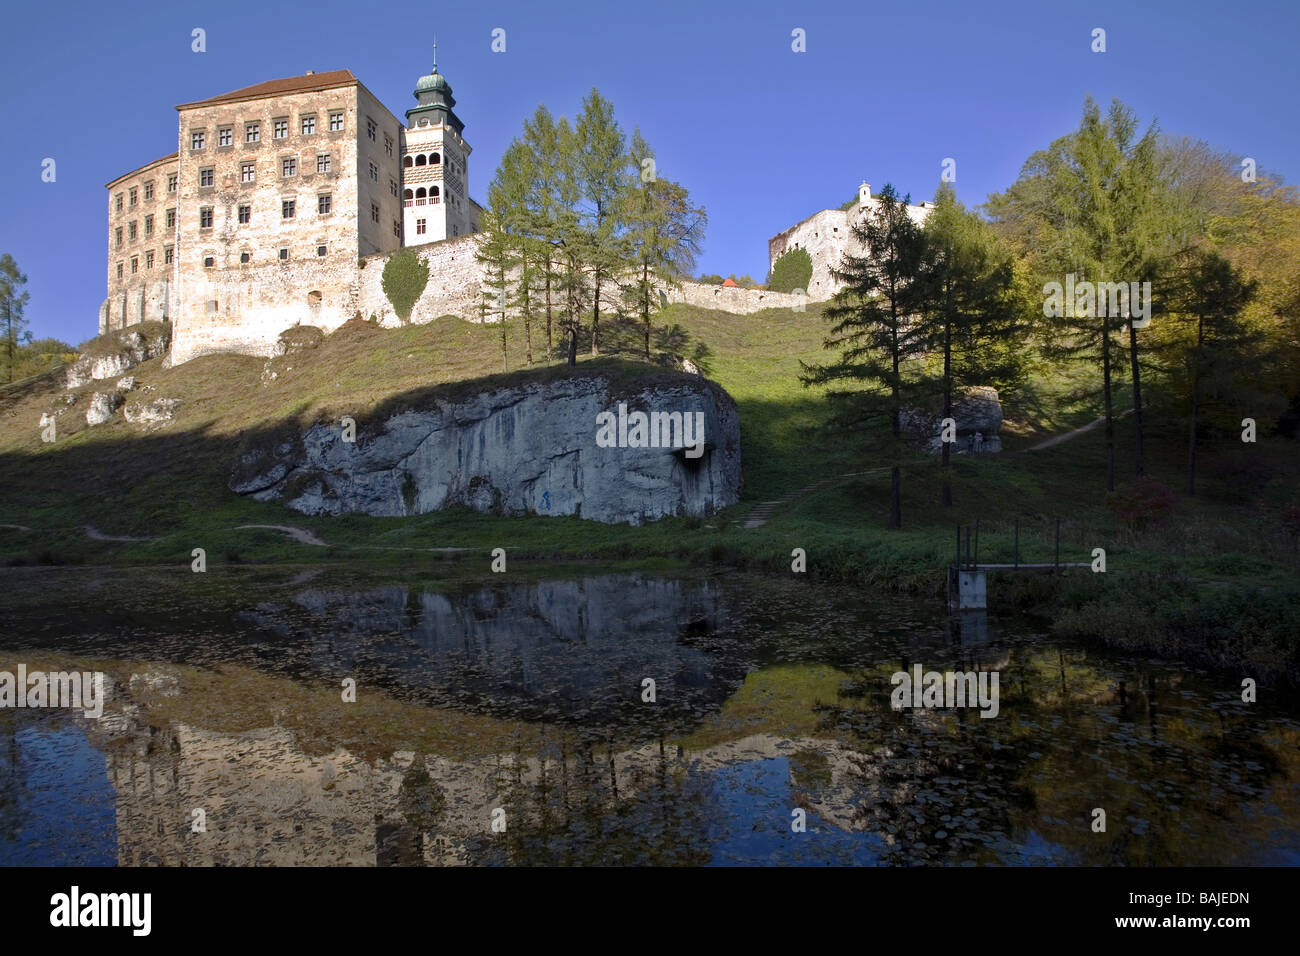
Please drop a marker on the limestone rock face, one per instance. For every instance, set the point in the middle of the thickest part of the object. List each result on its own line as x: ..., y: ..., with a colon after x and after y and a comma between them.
x: 529, y: 448
x: 132, y: 347
x: 102, y: 407
x: 146, y: 413
x: 977, y: 412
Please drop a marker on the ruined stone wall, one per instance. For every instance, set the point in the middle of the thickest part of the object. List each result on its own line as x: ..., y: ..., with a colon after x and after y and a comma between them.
x: 455, y: 283
x: 732, y: 299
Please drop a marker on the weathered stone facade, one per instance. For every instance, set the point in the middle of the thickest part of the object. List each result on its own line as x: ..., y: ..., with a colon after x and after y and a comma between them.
x: 141, y: 246
x: 827, y: 235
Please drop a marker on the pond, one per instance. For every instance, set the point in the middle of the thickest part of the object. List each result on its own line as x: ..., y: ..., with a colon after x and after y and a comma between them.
x: 344, y: 717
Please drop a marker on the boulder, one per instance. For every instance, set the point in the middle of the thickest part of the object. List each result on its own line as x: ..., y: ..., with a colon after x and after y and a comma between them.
x: 119, y: 352
x: 146, y: 413
x: 530, y: 448
x: 977, y: 412
x: 102, y: 407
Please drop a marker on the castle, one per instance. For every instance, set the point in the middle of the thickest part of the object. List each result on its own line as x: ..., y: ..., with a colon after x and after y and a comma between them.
x: 277, y: 192
x: 280, y: 195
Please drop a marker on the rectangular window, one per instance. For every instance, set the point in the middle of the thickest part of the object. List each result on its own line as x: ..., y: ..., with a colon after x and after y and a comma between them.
x: 309, y: 125
x: 167, y: 255
x: 324, y: 204
x: 245, y: 215
x: 370, y: 128
x: 135, y: 264
x: 252, y: 132
x: 397, y: 228
x: 374, y: 212
x: 374, y: 172
x: 148, y: 227
x: 388, y: 144
x: 287, y: 209
x: 225, y: 136
x: 207, y: 176
x: 171, y: 183
x: 323, y: 163
x: 198, y: 138
x: 336, y: 122
x: 117, y: 202
x: 171, y: 218
x: 148, y: 191
x: 247, y: 172
x: 419, y: 226
x: 245, y: 257
x: 205, y: 217
x: 321, y: 250
x: 284, y: 253
x: 148, y: 259
x: 119, y: 271
x: 392, y: 186
x: 280, y: 128
x: 208, y: 263
x: 130, y: 230
x: 289, y: 166
x: 131, y: 197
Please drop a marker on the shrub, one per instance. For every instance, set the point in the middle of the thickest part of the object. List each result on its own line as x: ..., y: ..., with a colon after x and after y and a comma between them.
x: 792, y: 271
x: 1144, y: 503
x: 405, y: 277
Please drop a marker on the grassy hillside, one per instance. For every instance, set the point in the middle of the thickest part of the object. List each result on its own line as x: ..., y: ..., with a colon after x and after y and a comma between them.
x: 168, y: 482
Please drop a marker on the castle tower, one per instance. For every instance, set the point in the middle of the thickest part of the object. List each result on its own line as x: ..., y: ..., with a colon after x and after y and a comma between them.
x: 435, y: 156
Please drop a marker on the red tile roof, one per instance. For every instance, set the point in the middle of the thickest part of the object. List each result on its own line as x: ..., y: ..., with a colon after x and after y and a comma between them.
x: 292, y: 84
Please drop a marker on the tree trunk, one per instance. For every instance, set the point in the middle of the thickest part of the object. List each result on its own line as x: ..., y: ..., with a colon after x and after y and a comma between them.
x: 1196, y: 405
x: 1110, y: 419
x: 947, y: 408
x: 595, y: 317
x: 645, y: 305
x: 895, y: 499
x: 1139, y: 462
x: 549, y: 266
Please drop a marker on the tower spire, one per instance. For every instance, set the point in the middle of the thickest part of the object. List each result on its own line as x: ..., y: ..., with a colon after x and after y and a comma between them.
x: 435, y: 53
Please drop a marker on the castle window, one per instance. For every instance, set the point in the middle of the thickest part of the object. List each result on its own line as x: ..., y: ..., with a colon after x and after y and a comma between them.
x: 245, y: 215
x: 198, y: 138
x: 131, y: 197
x: 397, y: 228
x: 284, y: 253
x: 408, y: 161
x: 209, y: 262
x: 324, y: 204
x: 407, y: 194
x: 213, y: 306
x: 207, y: 176
x: 421, y: 160
x: 171, y: 218
x: 289, y: 166
x: 313, y: 297
x: 167, y: 255
x: 434, y: 159
x: 117, y: 202
x: 205, y: 217
x: 148, y: 227
x: 420, y: 225
x: 374, y: 212
x: 148, y: 191
x: 370, y: 128
x: 287, y: 209
x: 148, y: 259
x: 247, y: 172
x: 130, y: 230
x: 433, y: 195
x: 309, y: 125
x: 280, y: 128
x: 245, y: 257
x: 171, y: 183
x: 323, y: 163
x: 321, y: 250
x: 374, y: 172
x: 119, y: 271
x: 252, y: 132
x: 336, y: 122
x: 388, y: 144
x: 392, y: 186
x: 225, y: 136
x: 135, y: 264
x: 420, y: 194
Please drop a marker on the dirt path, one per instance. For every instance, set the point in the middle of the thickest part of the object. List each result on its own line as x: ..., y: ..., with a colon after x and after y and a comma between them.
x: 301, y: 535
x: 1058, y: 439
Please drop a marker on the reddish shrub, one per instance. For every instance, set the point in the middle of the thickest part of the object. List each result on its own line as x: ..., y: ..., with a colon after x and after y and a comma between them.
x: 1142, y: 504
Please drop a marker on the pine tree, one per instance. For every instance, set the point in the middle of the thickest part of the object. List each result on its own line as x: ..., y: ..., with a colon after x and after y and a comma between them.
x: 13, y: 302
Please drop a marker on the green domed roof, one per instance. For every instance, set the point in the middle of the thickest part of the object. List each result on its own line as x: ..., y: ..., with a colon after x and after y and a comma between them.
x: 431, y: 82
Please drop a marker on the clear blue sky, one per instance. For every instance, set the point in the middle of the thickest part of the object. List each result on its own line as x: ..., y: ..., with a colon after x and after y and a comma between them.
x: 761, y: 135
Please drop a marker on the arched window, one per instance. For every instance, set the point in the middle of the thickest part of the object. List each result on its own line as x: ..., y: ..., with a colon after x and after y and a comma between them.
x: 313, y: 297
x: 434, y: 159
x: 433, y: 190
x: 407, y: 194
x: 419, y: 160
x: 420, y: 193
x: 408, y: 161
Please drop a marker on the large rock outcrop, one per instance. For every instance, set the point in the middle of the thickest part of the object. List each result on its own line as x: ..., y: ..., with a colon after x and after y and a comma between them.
x: 977, y: 414
x: 118, y: 352
x: 528, y: 448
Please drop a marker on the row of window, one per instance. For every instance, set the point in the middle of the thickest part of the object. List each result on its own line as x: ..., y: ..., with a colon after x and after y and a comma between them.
x: 132, y: 231
x: 245, y: 257
x: 148, y: 262
x: 288, y: 210
x: 307, y: 126
x: 132, y: 195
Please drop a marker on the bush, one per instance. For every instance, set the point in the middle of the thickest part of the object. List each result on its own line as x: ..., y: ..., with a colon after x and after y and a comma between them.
x: 1142, y: 504
x: 405, y: 277
x: 792, y: 271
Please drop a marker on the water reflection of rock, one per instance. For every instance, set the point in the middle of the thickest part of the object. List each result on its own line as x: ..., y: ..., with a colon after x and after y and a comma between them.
x: 548, y: 650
